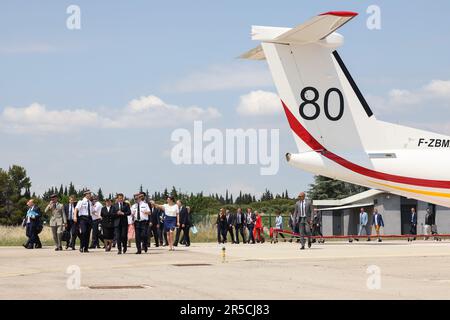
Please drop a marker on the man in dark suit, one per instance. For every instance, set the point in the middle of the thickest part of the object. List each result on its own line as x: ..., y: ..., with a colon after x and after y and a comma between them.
x: 121, y: 223
x: 302, y: 218
x: 413, y: 224
x: 239, y: 223
x: 33, y: 224
x: 72, y: 227
x: 183, y: 222
x: 230, y: 222
x: 154, y: 222
x: 187, y: 238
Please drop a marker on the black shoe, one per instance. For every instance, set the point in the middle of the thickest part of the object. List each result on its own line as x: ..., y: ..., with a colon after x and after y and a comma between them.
x: 309, y: 244
x: 188, y: 245
x: 379, y: 240
x: 119, y: 252
x: 368, y: 239
x: 25, y: 246
x: 39, y: 246
x: 356, y: 239
x: 145, y: 249
x: 57, y: 249
x: 139, y: 252
x: 91, y: 247
x: 86, y: 250
x: 302, y: 248
x: 81, y: 250
x: 73, y: 248
x: 67, y: 247
x: 175, y: 244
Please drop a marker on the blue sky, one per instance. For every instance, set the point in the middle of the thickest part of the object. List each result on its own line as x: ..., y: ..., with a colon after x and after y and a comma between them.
x: 184, y: 53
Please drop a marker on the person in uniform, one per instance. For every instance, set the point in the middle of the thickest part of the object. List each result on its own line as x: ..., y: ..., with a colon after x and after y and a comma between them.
x: 140, y: 212
x: 121, y: 223
x: 72, y: 227
x: 83, y: 216
x: 58, y: 220
x: 96, y: 224
x: 108, y: 214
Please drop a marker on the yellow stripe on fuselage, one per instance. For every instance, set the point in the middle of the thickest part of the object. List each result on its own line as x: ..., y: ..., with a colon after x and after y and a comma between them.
x: 424, y: 192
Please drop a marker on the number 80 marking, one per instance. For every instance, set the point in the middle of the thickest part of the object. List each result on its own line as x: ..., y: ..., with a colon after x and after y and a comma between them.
x: 314, y: 103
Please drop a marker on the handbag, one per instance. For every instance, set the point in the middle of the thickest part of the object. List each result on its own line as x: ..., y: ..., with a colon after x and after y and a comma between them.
x: 65, y: 236
x: 194, y: 230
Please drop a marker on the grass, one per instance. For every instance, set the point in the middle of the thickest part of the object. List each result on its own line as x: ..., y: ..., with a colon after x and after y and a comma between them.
x: 15, y: 236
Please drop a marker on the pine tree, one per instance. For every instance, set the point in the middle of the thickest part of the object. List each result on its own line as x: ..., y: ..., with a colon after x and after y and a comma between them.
x: 100, y: 194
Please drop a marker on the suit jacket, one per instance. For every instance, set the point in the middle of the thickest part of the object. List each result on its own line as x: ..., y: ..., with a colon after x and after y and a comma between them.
x: 363, y: 218
x: 108, y: 217
x: 308, y: 210
x: 231, y: 219
x: 377, y: 220
x: 253, y: 219
x: 58, y: 216
x: 413, y: 218
x: 184, y: 216
x: 243, y: 217
x: 119, y: 219
x: 154, y: 217
x: 66, y: 210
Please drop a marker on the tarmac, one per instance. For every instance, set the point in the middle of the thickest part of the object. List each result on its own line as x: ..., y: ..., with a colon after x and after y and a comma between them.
x: 334, y: 270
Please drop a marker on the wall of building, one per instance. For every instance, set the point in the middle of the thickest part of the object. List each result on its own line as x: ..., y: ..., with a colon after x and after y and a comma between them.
x: 327, y: 222
x: 389, y: 207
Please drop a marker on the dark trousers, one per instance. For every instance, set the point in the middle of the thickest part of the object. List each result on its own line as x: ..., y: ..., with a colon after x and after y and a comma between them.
x: 96, y: 233
x: 177, y: 235
x: 31, y: 233
x: 230, y: 231
x: 239, y: 228
x: 250, y: 228
x: 223, y: 234
x: 154, y: 231
x: 73, y: 229
x: 141, y: 230
x: 413, y: 229
x: 304, y: 231
x: 121, y: 235
x: 85, y: 224
x: 187, y: 238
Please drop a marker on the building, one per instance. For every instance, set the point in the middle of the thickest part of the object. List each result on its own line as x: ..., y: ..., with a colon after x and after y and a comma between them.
x: 341, y: 217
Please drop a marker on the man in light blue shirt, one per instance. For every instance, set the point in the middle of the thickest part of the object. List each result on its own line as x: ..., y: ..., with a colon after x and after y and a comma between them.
x: 363, y: 223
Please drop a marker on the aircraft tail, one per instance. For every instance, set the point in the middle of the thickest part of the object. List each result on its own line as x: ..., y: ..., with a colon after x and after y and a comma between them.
x: 323, y: 104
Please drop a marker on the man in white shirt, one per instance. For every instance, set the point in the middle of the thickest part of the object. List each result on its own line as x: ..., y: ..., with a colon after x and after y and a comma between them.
x: 83, y: 216
x: 96, y: 223
x: 140, y: 212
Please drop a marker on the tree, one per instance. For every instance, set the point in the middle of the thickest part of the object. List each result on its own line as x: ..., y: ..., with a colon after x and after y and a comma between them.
x: 100, y: 194
x: 327, y: 188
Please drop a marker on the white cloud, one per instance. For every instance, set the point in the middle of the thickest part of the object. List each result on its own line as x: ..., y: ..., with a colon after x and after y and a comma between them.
x: 435, y: 94
x: 220, y: 77
x: 145, y: 112
x: 259, y: 103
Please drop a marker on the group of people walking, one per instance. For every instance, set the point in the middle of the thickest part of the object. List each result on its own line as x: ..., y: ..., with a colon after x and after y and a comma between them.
x: 249, y: 225
x: 114, y: 223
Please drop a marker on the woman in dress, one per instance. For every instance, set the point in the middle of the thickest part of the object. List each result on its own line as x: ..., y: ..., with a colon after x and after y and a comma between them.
x: 259, y: 234
x: 131, y: 232
x: 108, y: 213
x: 171, y: 220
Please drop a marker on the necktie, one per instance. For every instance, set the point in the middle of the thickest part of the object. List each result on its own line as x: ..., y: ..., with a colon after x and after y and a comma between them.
x: 71, y: 212
x: 302, y: 211
x: 138, y: 211
x: 89, y: 208
x: 120, y: 206
x: 238, y: 218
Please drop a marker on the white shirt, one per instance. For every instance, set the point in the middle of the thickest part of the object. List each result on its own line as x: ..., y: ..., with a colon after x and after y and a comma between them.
x: 83, y: 206
x: 130, y: 219
x: 97, y: 212
x: 279, y: 222
x: 144, y: 210
x: 171, y: 211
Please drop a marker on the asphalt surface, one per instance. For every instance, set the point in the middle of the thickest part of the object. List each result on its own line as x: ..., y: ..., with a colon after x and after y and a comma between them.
x: 334, y: 270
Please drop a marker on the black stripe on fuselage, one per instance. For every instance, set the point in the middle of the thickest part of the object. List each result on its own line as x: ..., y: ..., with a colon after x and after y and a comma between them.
x: 353, y: 84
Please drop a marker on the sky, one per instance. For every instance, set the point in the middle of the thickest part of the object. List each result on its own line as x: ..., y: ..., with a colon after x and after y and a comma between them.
x: 97, y: 106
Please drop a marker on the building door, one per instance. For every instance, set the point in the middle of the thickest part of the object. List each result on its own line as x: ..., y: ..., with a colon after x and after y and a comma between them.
x: 406, y: 217
x: 338, y: 223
